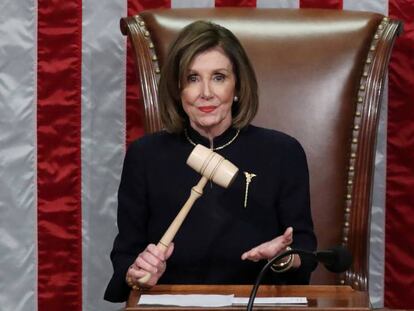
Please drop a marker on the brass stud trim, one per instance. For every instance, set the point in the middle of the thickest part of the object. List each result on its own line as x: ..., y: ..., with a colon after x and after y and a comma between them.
x: 356, y: 127
x: 146, y: 34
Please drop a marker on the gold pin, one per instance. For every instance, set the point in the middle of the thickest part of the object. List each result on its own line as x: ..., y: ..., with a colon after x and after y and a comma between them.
x: 249, y: 177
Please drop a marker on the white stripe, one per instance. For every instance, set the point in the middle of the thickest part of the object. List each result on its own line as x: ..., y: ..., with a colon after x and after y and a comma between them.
x: 103, y: 141
x: 18, y: 211
x: 377, y: 234
x: 176, y: 4
x: 292, y: 4
x: 378, y: 6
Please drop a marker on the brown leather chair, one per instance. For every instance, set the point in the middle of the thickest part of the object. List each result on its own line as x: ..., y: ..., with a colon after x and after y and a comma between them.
x: 321, y: 76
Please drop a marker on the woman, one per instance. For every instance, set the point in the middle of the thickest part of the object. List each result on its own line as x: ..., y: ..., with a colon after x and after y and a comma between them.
x: 208, y: 95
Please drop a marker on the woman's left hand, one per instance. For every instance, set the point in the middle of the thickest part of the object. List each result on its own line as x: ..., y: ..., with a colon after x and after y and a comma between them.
x: 270, y: 248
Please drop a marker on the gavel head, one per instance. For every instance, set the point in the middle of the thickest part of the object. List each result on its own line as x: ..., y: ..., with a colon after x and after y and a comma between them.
x: 212, y: 166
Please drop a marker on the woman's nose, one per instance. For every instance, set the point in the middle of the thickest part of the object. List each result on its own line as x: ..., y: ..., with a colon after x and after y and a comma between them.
x: 206, y: 92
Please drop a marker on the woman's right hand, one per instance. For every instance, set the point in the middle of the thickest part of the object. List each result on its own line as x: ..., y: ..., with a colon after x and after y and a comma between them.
x: 152, y: 260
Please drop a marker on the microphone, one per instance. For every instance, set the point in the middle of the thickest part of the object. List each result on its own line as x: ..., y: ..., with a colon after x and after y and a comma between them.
x: 336, y: 259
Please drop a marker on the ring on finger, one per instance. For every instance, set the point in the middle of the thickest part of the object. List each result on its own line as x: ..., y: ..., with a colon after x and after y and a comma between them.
x: 129, y: 281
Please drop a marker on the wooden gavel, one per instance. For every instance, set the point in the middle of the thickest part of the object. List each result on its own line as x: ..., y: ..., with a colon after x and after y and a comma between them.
x: 211, y: 166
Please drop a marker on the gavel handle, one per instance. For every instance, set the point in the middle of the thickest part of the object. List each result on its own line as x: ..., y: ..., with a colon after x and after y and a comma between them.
x: 169, y: 235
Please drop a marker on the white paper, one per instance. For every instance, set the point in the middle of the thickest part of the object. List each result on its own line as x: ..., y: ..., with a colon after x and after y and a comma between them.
x: 187, y: 300
x: 216, y: 300
x: 271, y: 300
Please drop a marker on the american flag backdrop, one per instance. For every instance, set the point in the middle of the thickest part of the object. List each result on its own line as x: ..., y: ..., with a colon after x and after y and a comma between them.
x: 68, y: 109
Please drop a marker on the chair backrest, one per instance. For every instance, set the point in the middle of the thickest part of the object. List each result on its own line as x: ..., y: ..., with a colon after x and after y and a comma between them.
x: 321, y: 75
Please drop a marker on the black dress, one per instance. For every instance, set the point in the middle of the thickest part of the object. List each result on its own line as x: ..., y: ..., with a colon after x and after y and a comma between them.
x: 156, y: 182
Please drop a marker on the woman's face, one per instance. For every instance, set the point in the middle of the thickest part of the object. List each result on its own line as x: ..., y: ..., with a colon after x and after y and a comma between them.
x: 208, y: 92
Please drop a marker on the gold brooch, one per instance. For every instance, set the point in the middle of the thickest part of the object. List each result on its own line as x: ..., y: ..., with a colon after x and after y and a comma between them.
x: 249, y: 177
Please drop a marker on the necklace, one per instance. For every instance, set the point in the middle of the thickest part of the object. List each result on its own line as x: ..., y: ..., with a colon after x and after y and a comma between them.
x: 214, y: 149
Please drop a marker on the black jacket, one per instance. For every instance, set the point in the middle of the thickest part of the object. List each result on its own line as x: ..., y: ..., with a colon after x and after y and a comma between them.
x: 156, y: 182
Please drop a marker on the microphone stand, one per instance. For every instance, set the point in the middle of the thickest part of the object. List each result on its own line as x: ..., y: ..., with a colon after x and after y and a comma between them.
x: 265, y: 269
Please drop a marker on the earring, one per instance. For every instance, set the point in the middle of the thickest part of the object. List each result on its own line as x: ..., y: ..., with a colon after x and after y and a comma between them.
x: 236, y: 99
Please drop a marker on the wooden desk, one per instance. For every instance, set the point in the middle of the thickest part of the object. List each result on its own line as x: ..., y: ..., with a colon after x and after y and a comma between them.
x: 324, y: 297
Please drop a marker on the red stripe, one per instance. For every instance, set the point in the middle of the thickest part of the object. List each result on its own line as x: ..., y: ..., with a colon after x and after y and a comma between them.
x: 134, y: 107
x: 226, y: 3
x: 399, y: 259
x: 136, y: 6
x: 59, y: 165
x: 321, y: 4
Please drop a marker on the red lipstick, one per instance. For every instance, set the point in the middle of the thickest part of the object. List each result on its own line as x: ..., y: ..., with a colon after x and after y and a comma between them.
x: 207, y: 109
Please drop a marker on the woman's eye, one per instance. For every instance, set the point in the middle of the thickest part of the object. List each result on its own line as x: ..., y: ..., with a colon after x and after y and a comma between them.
x: 219, y: 77
x: 192, y: 78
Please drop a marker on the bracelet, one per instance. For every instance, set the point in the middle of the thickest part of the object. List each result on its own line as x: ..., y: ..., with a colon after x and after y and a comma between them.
x: 285, y: 265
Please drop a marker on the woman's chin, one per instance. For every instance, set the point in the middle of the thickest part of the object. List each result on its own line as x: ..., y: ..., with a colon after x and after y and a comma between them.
x: 210, y: 126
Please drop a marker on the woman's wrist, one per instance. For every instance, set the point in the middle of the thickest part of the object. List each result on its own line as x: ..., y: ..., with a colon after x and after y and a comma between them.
x: 285, y: 264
